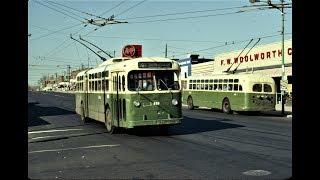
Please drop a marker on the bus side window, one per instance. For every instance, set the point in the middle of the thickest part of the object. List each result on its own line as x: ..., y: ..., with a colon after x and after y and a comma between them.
x: 230, y: 87
x: 215, y: 87
x: 99, y: 85
x: 240, y: 88
x: 119, y: 83
x: 225, y: 87
x: 210, y: 86
x: 235, y: 87
x: 267, y: 88
x: 257, y: 88
x: 190, y: 86
x: 123, y: 83
x: 107, y: 85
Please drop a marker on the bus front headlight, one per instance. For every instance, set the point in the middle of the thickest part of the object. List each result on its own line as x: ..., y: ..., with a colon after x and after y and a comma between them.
x: 174, y: 102
x: 136, y: 103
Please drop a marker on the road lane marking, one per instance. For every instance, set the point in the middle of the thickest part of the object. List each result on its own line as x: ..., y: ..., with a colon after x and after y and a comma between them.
x: 44, y: 137
x: 54, y: 130
x: 58, y: 95
x: 258, y: 172
x: 86, y: 147
x: 67, y: 135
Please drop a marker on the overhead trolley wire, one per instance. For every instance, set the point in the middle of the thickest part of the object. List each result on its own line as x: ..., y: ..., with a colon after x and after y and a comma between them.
x: 116, y: 15
x: 112, y: 8
x: 58, y: 11
x: 67, y: 11
x: 131, y: 8
x: 53, y: 32
x: 227, y: 44
x: 191, y: 17
x: 60, y: 45
x: 188, y: 12
x: 74, y: 9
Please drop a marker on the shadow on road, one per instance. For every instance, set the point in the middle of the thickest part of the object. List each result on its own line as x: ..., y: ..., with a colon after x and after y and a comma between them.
x: 188, y: 126
x: 35, y: 112
x: 253, y: 113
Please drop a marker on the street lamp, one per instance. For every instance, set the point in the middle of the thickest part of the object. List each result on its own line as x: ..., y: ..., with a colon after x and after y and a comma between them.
x: 283, y: 81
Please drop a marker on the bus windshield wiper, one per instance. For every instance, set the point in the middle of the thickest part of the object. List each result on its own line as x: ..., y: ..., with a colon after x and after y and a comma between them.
x: 165, y: 84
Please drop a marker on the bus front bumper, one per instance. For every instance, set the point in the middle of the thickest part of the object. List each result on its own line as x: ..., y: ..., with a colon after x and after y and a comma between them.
x: 173, y: 121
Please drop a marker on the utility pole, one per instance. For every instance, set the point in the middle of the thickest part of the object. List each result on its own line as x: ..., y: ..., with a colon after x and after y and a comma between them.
x: 284, y: 77
x: 114, y: 53
x: 82, y: 66
x: 166, y: 51
x: 69, y: 75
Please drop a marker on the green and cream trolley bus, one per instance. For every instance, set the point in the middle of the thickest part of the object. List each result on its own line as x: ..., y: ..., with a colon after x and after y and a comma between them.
x: 123, y: 92
x: 231, y: 92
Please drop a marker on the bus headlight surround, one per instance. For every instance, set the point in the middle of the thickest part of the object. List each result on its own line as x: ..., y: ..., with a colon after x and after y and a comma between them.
x: 174, y: 102
x: 137, y: 103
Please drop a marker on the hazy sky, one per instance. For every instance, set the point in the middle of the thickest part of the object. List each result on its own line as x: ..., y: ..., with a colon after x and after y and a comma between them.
x: 185, y: 26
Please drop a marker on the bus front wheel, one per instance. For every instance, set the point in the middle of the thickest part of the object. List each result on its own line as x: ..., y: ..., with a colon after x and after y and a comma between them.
x: 190, y: 103
x: 226, y: 107
x: 109, y: 122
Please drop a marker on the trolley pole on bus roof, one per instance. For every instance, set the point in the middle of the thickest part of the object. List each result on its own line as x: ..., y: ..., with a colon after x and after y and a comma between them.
x: 284, y: 80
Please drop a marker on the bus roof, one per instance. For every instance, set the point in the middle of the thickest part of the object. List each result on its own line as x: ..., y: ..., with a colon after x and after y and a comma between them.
x: 245, y: 76
x: 123, y: 64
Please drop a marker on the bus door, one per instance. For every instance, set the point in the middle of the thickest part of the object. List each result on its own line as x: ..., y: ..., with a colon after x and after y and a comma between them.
x: 115, y: 99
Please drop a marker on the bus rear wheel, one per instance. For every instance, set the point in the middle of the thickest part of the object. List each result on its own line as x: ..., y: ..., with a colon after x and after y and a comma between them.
x: 226, y: 107
x: 109, y: 122
x: 190, y: 103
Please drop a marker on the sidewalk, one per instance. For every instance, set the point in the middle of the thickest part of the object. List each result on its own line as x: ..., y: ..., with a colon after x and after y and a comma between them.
x: 287, y: 108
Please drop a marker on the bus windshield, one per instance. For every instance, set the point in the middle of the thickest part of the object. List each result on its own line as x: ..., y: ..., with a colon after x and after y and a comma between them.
x: 161, y: 80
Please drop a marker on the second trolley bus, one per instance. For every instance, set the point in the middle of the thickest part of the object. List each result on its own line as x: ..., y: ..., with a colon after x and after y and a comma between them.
x: 231, y: 92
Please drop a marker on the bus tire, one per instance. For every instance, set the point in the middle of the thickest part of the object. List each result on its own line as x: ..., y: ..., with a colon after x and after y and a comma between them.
x: 190, y: 103
x: 226, y: 107
x: 84, y: 119
x: 109, y: 123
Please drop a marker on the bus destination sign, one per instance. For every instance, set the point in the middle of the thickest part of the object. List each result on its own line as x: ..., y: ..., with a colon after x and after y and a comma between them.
x: 155, y: 65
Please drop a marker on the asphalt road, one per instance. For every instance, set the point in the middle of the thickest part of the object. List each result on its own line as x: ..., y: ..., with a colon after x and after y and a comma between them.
x: 207, y: 145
